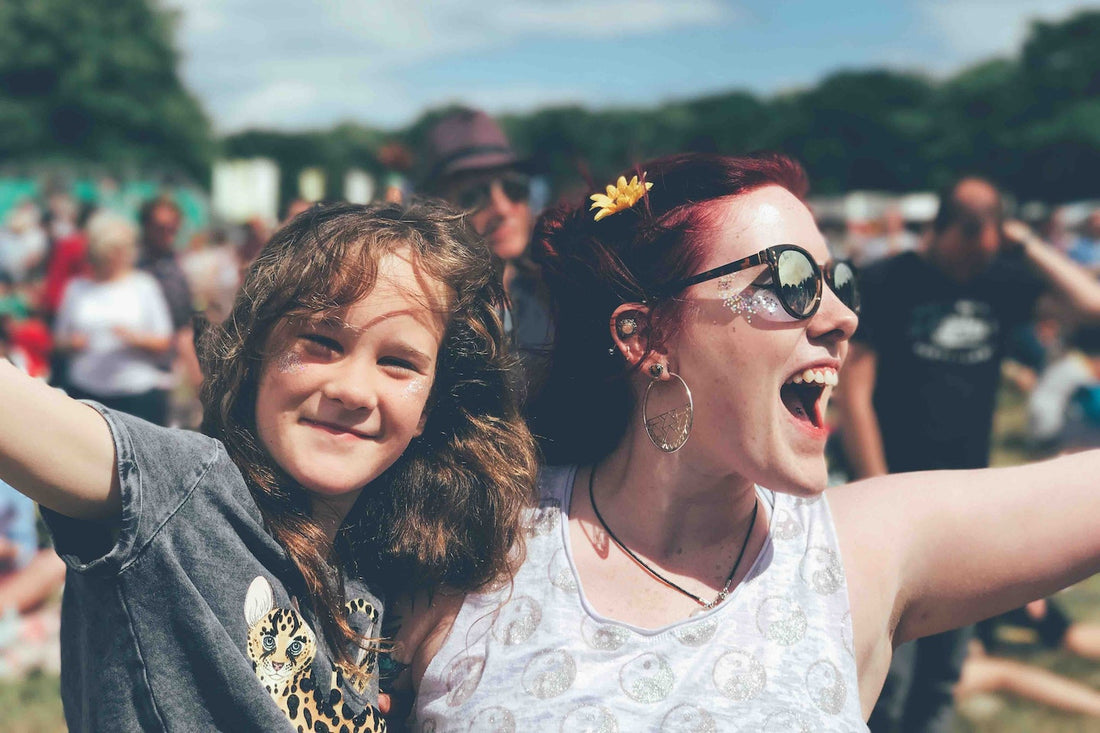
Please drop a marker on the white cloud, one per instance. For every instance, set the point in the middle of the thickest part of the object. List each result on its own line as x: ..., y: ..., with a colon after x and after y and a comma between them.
x: 275, y: 64
x: 976, y: 29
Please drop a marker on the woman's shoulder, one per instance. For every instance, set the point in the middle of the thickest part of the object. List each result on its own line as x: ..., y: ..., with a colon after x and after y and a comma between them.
x: 555, y: 482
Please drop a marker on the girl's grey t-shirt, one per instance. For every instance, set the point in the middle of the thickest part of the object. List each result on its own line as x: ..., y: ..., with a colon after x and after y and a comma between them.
x: 158, y: 611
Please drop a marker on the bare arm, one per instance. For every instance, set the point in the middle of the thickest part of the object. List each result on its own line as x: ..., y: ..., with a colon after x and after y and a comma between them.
x: 859, y: 425
x: 152, y: 343
x: 56, y: 450
x: 952, y: 547
x: 1074, y: 284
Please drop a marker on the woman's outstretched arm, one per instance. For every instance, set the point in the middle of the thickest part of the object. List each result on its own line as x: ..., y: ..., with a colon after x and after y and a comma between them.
x: 54, y: 449
x: 948, y: 548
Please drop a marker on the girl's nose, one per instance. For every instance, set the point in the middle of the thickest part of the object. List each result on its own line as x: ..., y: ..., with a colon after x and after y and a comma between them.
x: 352, y: 385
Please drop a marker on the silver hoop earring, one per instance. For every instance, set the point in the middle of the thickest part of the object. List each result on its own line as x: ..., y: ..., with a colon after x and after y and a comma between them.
x: 669, y: 430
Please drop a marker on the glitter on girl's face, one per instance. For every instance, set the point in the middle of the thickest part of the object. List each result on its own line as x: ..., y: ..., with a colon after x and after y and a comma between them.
x: 415, y: 387
x: 289, y: 362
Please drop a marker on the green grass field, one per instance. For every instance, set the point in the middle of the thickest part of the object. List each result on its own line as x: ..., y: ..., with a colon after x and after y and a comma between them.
x: 33, y: 706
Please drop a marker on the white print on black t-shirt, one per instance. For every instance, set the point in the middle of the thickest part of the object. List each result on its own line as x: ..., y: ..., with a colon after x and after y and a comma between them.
x: 959, y: 332
x: 281, y: 646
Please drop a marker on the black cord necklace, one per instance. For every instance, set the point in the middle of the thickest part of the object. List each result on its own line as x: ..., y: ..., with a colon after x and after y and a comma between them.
x: 722, y: 594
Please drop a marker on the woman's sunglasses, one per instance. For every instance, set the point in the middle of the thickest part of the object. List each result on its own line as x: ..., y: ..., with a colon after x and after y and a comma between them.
x: 476, y: 196
x: 796, y: 279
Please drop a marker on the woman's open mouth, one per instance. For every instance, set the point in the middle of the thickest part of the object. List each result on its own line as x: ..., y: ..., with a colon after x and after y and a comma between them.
x: 806, y: 395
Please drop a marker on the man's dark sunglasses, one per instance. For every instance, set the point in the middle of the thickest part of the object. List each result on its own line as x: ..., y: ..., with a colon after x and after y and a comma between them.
x: 796, y: 279
x: 475, y: 196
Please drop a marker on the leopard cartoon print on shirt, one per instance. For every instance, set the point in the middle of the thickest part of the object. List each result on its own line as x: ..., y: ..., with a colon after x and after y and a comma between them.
x: 281, y: 646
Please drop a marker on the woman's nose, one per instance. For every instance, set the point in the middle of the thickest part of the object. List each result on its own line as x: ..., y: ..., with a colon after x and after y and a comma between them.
x: 833, y: 317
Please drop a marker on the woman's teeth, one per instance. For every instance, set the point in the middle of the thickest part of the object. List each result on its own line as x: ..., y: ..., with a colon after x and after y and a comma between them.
x: 827, y: 377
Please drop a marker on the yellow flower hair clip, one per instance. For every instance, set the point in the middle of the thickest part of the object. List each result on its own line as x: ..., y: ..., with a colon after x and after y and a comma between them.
x: 621, y: 196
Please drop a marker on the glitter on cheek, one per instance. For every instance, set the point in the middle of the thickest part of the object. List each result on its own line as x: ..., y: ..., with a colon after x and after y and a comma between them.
x: 415, y: 388
x: 289, y: 362
x: 756, y: 302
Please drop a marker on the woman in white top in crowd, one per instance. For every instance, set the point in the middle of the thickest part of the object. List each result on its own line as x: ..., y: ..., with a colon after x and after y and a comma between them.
x: 113, y: 325
x: 683, y: 570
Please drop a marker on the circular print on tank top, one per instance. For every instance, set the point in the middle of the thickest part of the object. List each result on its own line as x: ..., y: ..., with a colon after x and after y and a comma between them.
x: 826, y: 686
x: 560, y: 574
x: 739, y: 675
x: 517, y: 621
x: 787, y: 527
x: 820, y: 569
x: 688, y: 719
x: 647, y: 678
x: 786, y: 721
x: 463, y: 676
x: 549, y: 673
x: 696, y: 633
x: 781, y: 620
x: 603, y: 637
x: 493, y: 720
x: 544, y: 520
x: 590, y: 719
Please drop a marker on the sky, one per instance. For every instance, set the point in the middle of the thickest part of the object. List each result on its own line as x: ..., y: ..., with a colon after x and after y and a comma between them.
x: 312, y: 64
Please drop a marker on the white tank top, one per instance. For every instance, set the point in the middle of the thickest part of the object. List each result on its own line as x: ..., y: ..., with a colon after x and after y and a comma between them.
x: 776, y: 656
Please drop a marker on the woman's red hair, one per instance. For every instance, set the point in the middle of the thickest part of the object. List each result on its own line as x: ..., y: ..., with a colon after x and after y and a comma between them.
x: 580, y: 411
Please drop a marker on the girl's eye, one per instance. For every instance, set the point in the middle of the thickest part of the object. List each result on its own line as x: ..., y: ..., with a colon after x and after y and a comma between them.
x: 316, y: 343
x: 399, y: 363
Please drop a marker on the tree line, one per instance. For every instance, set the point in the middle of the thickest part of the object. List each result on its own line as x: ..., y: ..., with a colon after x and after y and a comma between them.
x: 98, y: 84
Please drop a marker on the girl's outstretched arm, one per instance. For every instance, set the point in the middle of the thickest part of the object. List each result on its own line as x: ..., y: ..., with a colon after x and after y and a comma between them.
x: 56, y: 450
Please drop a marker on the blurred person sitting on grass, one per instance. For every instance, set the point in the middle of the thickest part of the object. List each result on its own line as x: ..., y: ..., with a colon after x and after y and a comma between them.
x: 29, y: 577
x: 1064, y: 407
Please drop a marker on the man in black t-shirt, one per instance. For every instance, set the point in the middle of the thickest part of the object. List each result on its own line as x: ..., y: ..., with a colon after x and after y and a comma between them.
x: 920, y: 383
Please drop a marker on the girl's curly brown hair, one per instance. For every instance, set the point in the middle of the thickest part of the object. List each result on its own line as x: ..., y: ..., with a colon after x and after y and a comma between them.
x: 447, y: 512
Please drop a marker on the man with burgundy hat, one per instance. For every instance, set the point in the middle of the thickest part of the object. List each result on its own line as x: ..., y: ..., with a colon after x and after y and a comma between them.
x: 471, y: 164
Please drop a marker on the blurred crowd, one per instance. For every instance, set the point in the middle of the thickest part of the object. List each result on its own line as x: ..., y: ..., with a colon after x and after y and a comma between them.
x: 103, y: 305
x: 1052, y: 358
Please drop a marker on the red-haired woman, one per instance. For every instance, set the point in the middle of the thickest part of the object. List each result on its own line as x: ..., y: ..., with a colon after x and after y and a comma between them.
x: 683, y: 570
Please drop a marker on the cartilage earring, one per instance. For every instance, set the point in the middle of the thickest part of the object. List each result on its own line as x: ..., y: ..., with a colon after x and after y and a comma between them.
x: 626, y: 326
x: 669, y: 430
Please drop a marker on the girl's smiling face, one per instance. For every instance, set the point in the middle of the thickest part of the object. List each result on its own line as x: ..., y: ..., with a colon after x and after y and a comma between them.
x: 755, y: 416
x: 341, y: 397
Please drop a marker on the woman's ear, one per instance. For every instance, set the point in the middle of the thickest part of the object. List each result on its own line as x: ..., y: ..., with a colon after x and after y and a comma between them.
x: 631, y: 332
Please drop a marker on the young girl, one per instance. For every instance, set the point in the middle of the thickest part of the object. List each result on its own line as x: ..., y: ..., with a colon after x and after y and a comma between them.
x: 358, y: 428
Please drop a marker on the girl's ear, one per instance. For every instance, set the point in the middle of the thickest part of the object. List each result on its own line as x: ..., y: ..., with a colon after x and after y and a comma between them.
x: 632, y: 335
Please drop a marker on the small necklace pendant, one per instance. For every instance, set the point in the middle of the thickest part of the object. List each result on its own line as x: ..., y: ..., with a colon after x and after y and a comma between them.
x: 722, y: 595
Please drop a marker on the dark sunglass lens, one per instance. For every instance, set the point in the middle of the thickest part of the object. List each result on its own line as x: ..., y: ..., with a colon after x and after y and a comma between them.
x: 473, y: 197
x: 798, y: 281
x: 516, y: 188
x: 846, y: 286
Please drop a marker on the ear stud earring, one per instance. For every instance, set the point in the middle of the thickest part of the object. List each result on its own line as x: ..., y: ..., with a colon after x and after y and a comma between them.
x: 626, y: 326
